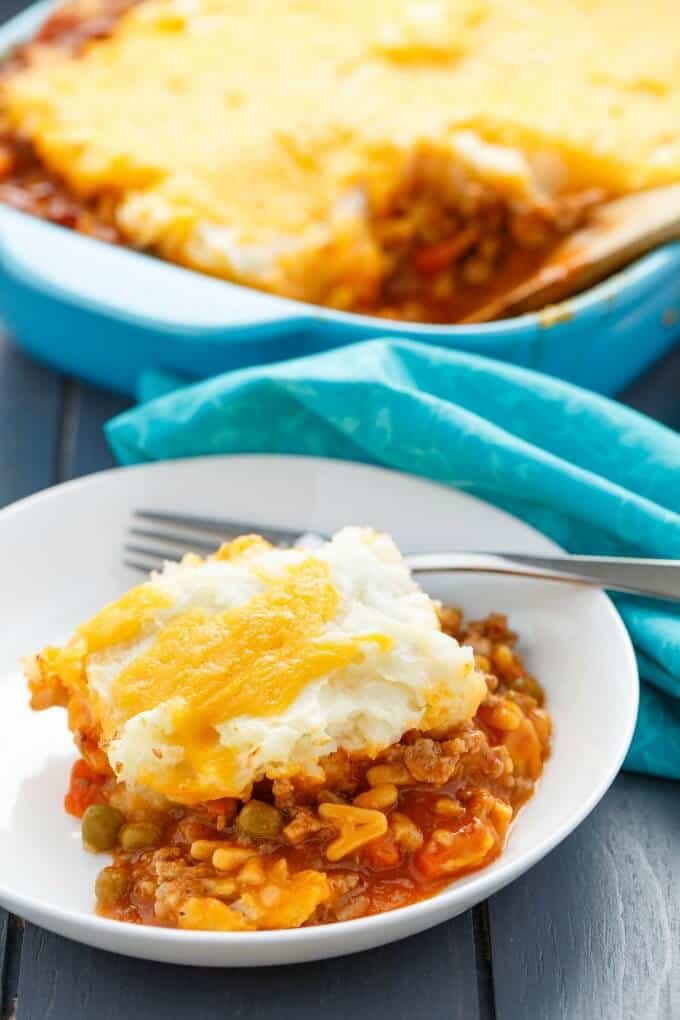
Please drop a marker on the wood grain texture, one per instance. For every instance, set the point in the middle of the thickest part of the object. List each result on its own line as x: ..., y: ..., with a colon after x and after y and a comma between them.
x: 11, y: 939
x: 87, y: 409
x: 593, y: 931
x: 5, y: 993
x: 8, y: 8
x: 30, y: 405
x: 430, y: 974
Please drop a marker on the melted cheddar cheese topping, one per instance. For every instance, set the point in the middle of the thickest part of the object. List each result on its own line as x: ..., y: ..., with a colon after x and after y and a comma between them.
x: 117, y: 623
x: 246, y: 139
x: 124, y: 619
x: 258, y: 662
x: 253, y: 660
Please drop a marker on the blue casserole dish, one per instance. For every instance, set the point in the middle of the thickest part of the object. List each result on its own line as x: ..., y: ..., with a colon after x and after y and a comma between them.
x: 107, y: 314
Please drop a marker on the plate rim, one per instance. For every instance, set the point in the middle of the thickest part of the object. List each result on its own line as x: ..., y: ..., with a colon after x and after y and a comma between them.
x: 94, y: 929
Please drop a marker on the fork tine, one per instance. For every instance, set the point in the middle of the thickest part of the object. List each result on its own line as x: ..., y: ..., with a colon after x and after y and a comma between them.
x: 184, y: 541
x: 222, y: 527
x: 172, y: 534
x: 160, y: 555
x: 145, y: 568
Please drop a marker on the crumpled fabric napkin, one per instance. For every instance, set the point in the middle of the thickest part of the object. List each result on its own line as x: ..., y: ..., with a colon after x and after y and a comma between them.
x: 590, y: 473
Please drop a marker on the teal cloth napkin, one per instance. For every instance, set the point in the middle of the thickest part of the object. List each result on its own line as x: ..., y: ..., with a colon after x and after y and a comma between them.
x: 592, y: 474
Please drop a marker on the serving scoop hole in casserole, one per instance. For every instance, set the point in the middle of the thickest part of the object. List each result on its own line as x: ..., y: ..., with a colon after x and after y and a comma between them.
x: 444, y: 253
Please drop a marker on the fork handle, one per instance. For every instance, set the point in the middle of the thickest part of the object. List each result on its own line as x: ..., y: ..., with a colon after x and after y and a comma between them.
x: 652, y: 578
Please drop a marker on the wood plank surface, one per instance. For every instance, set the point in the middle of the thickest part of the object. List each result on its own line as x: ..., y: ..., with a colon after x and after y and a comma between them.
x: 431, y: 975
x: 6, y: 992
x: 593, y: 932
x: 8, y: 8
x: 86, y: 410
x: 30, y: 407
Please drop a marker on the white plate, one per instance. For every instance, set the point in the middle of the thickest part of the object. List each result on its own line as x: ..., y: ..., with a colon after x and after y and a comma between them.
x: 61, y: 559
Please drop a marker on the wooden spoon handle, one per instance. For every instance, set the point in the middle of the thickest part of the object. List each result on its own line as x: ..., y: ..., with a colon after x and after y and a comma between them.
x: 617, y: 233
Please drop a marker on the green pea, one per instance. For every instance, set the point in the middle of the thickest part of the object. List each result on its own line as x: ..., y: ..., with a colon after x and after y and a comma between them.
x: 137, y: 835
x: 99, y: 827
x: 111, y: 885
x: 259, y: 820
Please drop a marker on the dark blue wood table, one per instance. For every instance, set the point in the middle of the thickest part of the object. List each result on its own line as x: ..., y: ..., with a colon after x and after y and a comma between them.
x: 591, y: 933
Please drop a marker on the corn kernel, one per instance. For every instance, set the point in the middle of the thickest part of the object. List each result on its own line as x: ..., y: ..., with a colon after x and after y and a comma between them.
x: 219, y: 886
x: 203, y: 849
x: 279, y: 871
x: 405, y: 831
x: 500, y: 816
x: 252, y: 872
x: 395, y: 773
x: 443, y: 837
x: 379, y: 798
x: 449, y: 807
x: 506, y: 716
x: 230, y: 858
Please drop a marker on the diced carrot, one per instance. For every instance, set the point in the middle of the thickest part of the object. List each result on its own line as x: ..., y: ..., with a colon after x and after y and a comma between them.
x: 84, y: 788
x: 222, y: 810
x: 382, y: 853
x: 433, y: 257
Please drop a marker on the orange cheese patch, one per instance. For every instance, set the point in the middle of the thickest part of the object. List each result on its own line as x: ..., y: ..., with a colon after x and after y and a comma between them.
x: 240, y: 547
x: 123, y: 620
x: 120, y: 621
x: 253, y: 660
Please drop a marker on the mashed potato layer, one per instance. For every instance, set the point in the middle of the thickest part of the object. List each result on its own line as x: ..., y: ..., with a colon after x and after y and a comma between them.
x: 255, y: 140
x: 260, y: 661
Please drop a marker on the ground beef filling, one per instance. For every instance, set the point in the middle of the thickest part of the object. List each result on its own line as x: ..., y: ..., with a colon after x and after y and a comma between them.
x: 26, y: 185
x: 373, y: 835
x: 443, y: 261
x: 449, y: 252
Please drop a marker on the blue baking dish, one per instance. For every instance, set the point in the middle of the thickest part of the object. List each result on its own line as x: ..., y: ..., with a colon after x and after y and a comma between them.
x: 107, y: 314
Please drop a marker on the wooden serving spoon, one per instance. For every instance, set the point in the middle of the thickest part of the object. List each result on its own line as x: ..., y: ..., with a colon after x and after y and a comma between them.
x: 617, y: 232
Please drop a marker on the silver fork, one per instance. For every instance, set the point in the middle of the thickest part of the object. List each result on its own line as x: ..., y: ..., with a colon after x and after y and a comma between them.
x: 173, y: 534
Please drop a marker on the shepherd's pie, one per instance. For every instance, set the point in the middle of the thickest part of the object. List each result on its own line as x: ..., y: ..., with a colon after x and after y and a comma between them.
x: 278, y: 737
